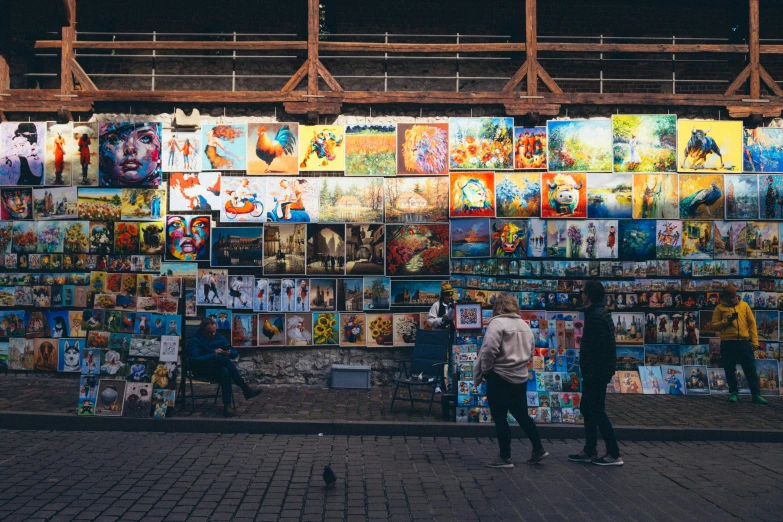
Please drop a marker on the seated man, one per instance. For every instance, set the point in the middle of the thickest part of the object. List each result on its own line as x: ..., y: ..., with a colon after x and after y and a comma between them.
x: 211, y: 354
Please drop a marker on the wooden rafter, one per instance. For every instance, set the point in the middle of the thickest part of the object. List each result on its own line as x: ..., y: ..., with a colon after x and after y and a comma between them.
x: 297, y: 78
x: 84, y: 80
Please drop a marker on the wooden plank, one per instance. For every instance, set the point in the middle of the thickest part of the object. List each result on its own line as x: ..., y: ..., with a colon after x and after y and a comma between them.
x: 66, y: 60
x: 328, y: 78
x: 531, y: 51
x: 770, y: 82
x: 738, y: 81
x: 753, y: 45
x: 183, y: 45
x: 421, y: 48
x: 297, y: 78
x: 515, y: 80
x: 312, y: 46
x: 84, y: 80
x: 5, y: 74
x: 548, y: 81
x: 642, y: 48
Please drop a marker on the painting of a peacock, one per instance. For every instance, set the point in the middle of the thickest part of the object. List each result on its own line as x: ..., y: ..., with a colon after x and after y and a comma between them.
x: 690, y: 206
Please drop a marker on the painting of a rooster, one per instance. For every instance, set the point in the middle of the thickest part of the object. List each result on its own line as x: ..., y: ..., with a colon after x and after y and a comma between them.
x: 272, y: 330
x: 275, y: 149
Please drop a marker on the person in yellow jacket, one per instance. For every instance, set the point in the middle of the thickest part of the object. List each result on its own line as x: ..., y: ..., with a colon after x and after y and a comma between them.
x: 735, y: 322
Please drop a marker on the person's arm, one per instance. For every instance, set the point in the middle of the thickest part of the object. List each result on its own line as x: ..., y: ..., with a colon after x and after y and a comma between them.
x: 195, y: 346
x: 432, y: 318
x: 493, y: 339
x: 720, y: 320
x: 752, y: 329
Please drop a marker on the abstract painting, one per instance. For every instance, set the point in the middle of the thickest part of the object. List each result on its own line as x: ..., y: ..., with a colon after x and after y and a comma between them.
x: 742, y: 196
x: 509, y: 237
x: 237, y: 246
x: 472, y: 194
x: 17, y: 203
x: 714, y: 146
x: 763, y: 150
x: 655, y: 196
x: 609, y: 195
x: 292, y: 199
x: 60, y: 153
x: 22, y: 148
x: 536, y: 238
x: 417, y: 250
x: 422, y: 148
x: 518, y: 194
x: 771, y: 196
x: 321, y: 148
x: 130, y: 155
x: 701, y: 196
x: 481, y: 143
x: 241, y: 199
x: 365, y: 249
x: 370, y: 150
x: 86, y: 136
x: 564, y: 195
x: 224, y: 147
x: 668, y: 239
x: 470, y: 237
x: 697, y: 240
x: 530, y: 148
x: 579, y: 145
x: 644, y: 143
x: 182, y: 151
x: 272, y: 148
x: 556, y: 234
x: 194, y: 191
x: 187, y: 238
x: 358, y: 200
x: 417, y: 200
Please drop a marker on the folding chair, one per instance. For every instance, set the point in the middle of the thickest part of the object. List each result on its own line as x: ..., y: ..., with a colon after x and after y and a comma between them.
x: 188, y: 375
x: 429, y: 358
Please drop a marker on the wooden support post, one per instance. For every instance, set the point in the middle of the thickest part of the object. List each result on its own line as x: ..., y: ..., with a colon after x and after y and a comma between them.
x: 67, y: 54
x: 531, y: 49
x: 5, y: 74
x: 312, y: 48
x: 754, y: 54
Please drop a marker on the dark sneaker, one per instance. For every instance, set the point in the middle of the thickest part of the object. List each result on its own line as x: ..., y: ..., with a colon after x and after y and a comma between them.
x: 758, y: 399
x: 608, y: 460
x: 228, y: 413
x: 500, y: 463
x: 538, y: 456
x: 252, y: 392
x: 581, y: 457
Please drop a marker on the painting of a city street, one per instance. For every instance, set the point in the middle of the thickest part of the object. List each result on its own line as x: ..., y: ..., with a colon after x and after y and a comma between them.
x: 284, y: 248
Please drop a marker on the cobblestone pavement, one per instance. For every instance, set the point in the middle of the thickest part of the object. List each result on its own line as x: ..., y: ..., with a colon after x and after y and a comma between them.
x: 199, y: 477
x: 31, y: 393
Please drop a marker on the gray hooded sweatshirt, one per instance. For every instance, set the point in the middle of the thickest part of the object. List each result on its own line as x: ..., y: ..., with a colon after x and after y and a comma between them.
x: 507, y: 349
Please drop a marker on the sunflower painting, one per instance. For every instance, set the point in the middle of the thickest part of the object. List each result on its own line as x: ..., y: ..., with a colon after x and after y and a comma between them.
x: 325, y: 329
x: 379, y: 330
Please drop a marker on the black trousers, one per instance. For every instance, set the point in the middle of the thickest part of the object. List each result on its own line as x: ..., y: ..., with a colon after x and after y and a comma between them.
x: 505, y: 397
x: 739, y: 352
x: 224, y: 371
x: 593, y: 408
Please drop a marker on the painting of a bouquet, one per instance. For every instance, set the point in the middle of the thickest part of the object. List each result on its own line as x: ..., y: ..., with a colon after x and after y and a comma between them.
x: 481, y: 143
x: 126, y: 238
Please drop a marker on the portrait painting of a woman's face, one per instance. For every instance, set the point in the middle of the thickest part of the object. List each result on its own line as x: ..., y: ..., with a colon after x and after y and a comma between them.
x: 187, y: 238
x: 130, y: 154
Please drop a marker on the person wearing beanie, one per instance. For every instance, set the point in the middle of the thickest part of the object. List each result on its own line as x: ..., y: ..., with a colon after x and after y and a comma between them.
x: 735, y: 322
x: 441, y: 314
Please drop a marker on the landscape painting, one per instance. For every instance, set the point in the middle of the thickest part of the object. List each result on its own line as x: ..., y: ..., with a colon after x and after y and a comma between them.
x: 579, y: 145
x: 414, y: 293
x: 564, y: 195
x: 530, y: 148
x: 708, y: 145
x: 701, y: 196
x: 370, y: 150
x: 609, y: 195
x: 470, y: 237
x: 225, y: 147
x: 730, y: 239
x: 237, y: 246
x: 321, y: 148
x: 655, y: 196
x: 417, y: 200
x: 644, y: 142
x: 518, y: 194
x: 481, y: 143
x: 358, y: 200
x: 272, y: 148
x: 763, y: 150
x: 742, y: 196
x: 422, y: 148
x: 417, y: 250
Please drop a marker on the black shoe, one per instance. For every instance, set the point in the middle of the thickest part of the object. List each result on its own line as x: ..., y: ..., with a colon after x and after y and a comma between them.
x: 228, y: 413
x: 249, y: 392
x: 538, y: 456
x: 581, y: 457
x: 608, y: 460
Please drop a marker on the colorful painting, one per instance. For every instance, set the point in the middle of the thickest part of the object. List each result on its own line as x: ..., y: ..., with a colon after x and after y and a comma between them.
x: 100, y: 204
x: 101, y: 237
x: 771, y: 196
x: 417, y: 200
x: 187, y: 238
x: 768, y: 325
x: 714, y: 146
x: 422, y: 148
x: 556, y: 234
x: 472, y: 194
x: 536, y: 238
x: 405, y: 327
x: 579, y: 145
x: 241, y: 200
x: 655, y: 196
x: 141, y: 204
x: 284, y: 248
x: 353, y: 330
x: 25, y: 237
x: 358, y: 200
x: 509, y: 237
x: 530, y: 148
x: 601, y: 239
x: 742, y: 196
x: 17, y: 203
x: 237, y: 246
x: 299, y: 329
x: 377, y: 293
x: 609, y: 195
x: 325, y: 328
x: 697, y: 240
x: 470, y: 237
x: 325, y: 249
x: 365, y: 249
x: 763, y: 150
x: 729, y: 238
x: 130, y: 155
x: 272, y: 148
x: 481, y: 143
x: 111, y: 398
x: 644, y: 143
x: 762, y: 240
x: 628, y: 328
x: 55, y: 203
x: 701, y: 196
x: 182, y: 151
x: 576, y: 238
x: 60, y: 152
x: 518, y: 194
x: 194, y: 191
x: 212, y: 287
x: 321, y: 148
x: 86, y: 136
x: 417, y: 250
x: 22, y: 152
x: 224, y: 147
x: 151, y: 239
x: 246, y: 330
x: 370, y: 150
x: 652, y: 380
x: 380, y: 328
x: 292, y: 199
x: 768, y: 375
x: 564, y: 195
x: 668, y: 242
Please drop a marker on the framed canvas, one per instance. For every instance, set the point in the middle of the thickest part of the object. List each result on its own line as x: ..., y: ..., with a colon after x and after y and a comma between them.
x: 22, y: 141
x: 60, y: 154
x: 358, y: 200
x: 518, y: 195
x: 224, y: 147
x: 321, y: 148
x: 182, y: 151
x: 701, y: 196
x: 85, y: 165
x: 530, y: 148
x: 472, y: 194
x: 130, y: 154
x: 416, y: 200
x: 564, y: 195
x: 370, y: 150
x: 467, y: 316
x: 422, y: 149
x: 481, y: 143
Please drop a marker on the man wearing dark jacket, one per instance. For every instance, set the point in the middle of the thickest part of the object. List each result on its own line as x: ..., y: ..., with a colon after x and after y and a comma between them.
x: 597, y: 362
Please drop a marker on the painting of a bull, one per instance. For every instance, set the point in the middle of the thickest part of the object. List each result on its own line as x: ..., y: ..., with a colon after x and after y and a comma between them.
x: 565, y: 192
x: 699, y: 147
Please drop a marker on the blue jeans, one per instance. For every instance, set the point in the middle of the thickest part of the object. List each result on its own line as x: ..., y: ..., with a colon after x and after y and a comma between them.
x: 224, y: 371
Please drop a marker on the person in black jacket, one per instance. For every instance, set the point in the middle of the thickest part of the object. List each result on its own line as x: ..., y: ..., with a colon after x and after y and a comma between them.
x: 597, y: 362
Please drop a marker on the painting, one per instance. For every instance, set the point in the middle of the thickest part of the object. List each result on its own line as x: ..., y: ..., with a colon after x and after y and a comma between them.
x: 380, y: 329
x: 771, y: 196
x: 644, y: 142
x: 767, y: 324
x: 467, y: 316
x: 293, y: 199
x: 350, y: 295
x: 100, y: 204
x: 481, y: 143
x: 353, y: 329
x: 637, y: 239
x: 609, y: 195
x: 668, y: 242
x: 742, y: 196
x: 272, y: 148
x: 729, y: 238
x: 365, y: 249
x: 417, y: 200
x: 518, y: 194
x: 111, y: 398
x: 414, y: 293
x: 579, y: 145
x: 556, y: 234
x: 22, y: 148
x: 768, y: 374
x: 405, y: 327
x: 325, y: 328
x: 701, y: 196
x: 182, y: 150
x: 17, y: 203
x: 284, y: 248
x: 194, y: 191
x: 470, y: 237
x: 55, y: 203
x: 25, y: 237
x: 564, y: 195
x: 240, y: 288
x: 416, y: 250
x: 576, y: 238
x: 762, y: 240
x: 141, y: 204
x: 370, y: 150
x: 212, y: 287
x: 86, y: 137
x: 697, y: 240
x: 237, y: 246
x: 655, y: 196
x: 530, y: 148
x: 377, y: 293
x: 187, y: 237
x: 323, y: 294
x: 628, y: 328
x: 126, y: 238
x: 129, y: 154
x: 422, y: 148
x: 224, y: 147
x: 601, y: 239
x: 762, y: 148
x: 60, y: 153
x: 151, y: 239
x: 245, y: 330
x: 472, y: 194
x: 241, y: 199
x: 509, y: 237
x: 357, y: 200
x: 321, y: 148
x: 707, y: 145
x: 325, y: 248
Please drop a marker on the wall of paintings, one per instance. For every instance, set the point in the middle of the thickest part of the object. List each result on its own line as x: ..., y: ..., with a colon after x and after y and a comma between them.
x: 340, y: 235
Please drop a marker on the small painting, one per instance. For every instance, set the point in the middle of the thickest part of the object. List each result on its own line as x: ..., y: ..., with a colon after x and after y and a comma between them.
x: 742, y: 196
x: 630, y: 382
x: 370, y: 150
x: 130, y: 154
x: 245, y: 330
x: 655, y: 196
x: 564, y: 195
x: 422, y: 148
x: 637, y: 239
x: 182, y: 151
x: 100, y: 204
x: 271, y: 329
x: 272, y: 148
x: 768, y: 374
x: 644, y: 142
x: 325, y: 249
x: 325, y: 328
x: 212, y: 287
x: 707, y: 145
x: 69, y: 355
x: 55, y: 203
x: 194, y: 191
x: 241, y: 200
x: 579, y: 145
x: 138, y: 400
x: 353, y: 329
x: 17, y: 203
x: 365, y: 249
x: 697, y: 240
x: 224, y: 147
x: 628, y: 328
x: 240, y: 292
x: 111, y: 398
x: 530, y: 148
x: 472, y: 194
x: 509, y: 237
x: 140, y: 204
x: 60, y: 153
x: 377, y: 293
x: 151, y: 239
x: 45, y: 354
x: 417, y: 250
x: 237, y: 246
x: 25, y: 237
x: 652, y: 380
x: 414, y: 293
x: 481, y: 143
x: 467, y: 316
x: 323, y: 294
x: 762, y: 240
x: 771, y: 196
x: 284, y: 248
x: 518, y: 194
x: 350, y: 295
x: 668, y: 243
x: 357, y: 200
x: 417, y: 200
x: 86, y: 137
x: 380, y: 330
x: 609, y: 195
x: 405, y: 328
x: 729, y: 238
x: 674, y: 379
x: 23, y: 147
x: 321, y: 148
x: 762, y: 148
x: 701, y: 196
x: 628, y: 357
x: 299, y: 329
x: 556, y: 237
x: 187, y: 238
x: 470, y: 237
x: 768, y: 325
x: 126, y: 238
x: 293, y: 199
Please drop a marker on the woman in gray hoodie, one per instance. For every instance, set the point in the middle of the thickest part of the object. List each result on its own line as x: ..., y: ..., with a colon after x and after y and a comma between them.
x: 502, y: 362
